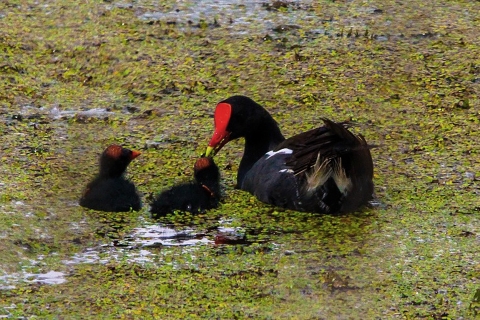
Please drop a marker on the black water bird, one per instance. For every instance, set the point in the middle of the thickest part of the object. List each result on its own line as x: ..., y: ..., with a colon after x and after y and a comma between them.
x: 325, y: 170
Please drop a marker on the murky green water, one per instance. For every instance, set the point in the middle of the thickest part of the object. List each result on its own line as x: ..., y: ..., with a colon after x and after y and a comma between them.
x: 76, y: 77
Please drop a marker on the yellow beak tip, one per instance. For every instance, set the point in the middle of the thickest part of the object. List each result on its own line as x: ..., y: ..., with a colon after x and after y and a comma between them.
x: 209, y: 151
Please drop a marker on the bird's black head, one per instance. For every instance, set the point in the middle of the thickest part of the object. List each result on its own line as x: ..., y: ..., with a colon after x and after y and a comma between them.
x: 235, y: 117
x: 205, y: 170
x: 115, y: 160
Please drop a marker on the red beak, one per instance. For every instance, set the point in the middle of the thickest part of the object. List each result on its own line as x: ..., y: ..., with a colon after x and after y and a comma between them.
x: 220, y: 136
x: 134, y: 154
x: 219, y: 139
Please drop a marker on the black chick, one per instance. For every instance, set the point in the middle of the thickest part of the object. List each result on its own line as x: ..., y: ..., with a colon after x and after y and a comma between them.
x: 196, y: 196
x: 110, y: 190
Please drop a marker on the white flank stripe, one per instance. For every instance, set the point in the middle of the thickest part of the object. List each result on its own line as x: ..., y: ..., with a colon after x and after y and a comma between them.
x: 286, y: 170
x: 281, y: 151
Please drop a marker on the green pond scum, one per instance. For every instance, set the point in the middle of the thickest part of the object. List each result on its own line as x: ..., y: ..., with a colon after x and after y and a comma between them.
x: 76, y: 76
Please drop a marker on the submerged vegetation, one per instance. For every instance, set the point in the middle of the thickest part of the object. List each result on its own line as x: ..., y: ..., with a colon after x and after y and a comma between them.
x: 78, y: 76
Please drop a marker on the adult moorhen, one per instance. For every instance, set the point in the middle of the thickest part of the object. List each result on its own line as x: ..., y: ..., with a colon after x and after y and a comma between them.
x: 110, y: 190
x: 324, y: 170
x: 196, y: 196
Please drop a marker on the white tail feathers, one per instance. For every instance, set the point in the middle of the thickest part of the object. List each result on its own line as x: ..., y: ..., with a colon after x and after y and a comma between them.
x: 319, y: 174
x: 343, y: 183
x: 323, y: 170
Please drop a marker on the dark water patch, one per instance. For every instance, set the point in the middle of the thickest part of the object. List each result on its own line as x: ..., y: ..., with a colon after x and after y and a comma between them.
x: 252, y: 248
x: 377, y: 203
x: 123, y: 5
x: 282, y: 5
x: 151, y: 243
x: 136, y: 245
x: 352, y: 33
x: 107, y: 253
x: 146, y: 244
x: 285, y: 28
x: 231, y: 236
x: 57, y: 113
x: 425, y: 35
x: 8, y: 281
x: 155, y: 235
x: 382, y: 38
x: 17, y: 117
x: 367, y: 34
x: 240, y: 17
x: 33, y: 271
x: 252, y: 17
x: 140, y: 246
x: 43, y: 115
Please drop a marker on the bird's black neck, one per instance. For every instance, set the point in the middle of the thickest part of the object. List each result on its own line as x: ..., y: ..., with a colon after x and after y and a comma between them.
x: 261, y: 138
x: 211, y: 184
x: 212, y: 187
x: 108, y: 170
